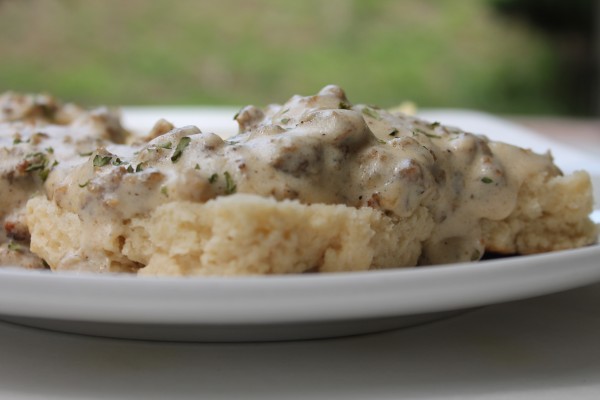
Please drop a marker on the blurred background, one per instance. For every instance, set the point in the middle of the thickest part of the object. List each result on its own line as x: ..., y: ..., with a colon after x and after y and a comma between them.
x: 502, y: 56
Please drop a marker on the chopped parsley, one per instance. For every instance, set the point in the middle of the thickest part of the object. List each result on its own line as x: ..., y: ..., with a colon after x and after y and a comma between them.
x: 371, y: 113
x: 12, y: 246
x: 183, y: 143
x: 101, y: 161
x: 89, y: 153
x: 393, y: 132
x: 197, y: 166
x: 237, y: 114
x: 117, y: 161
x: 230, y: 186
x: 345, y: 106
x: 82, y: 185
x: 50, y: 150
x: 485, y: 179
x: 213, y: 178
x: 17, y: 138
x: 284, y: 111
x: 285, y: 120
x: 164, y: 190
x: 37, y: 161
x: 130, y: 169
x: 139, y: 167
x: 44, y: 174
x: 429, y: 135
x: 434, y: 125
x: 166, y: 145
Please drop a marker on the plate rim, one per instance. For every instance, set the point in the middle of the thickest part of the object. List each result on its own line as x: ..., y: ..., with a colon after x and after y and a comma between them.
x: 348, y: 301
x: 286, y: 298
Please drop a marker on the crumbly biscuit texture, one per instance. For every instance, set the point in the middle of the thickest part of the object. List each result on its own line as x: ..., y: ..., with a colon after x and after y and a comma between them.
x: 39, y: 136
x: 234, y: 235
x: 551, y: 214
x: 61, y: 238
x: 314, y: 185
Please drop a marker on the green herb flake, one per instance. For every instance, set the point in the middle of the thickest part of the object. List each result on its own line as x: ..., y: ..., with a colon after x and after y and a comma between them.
x: 284, y: 111
x: 130, y: 169
x: 393, y: 132
x: 36, y: 162
x: 429, y: 135
x: 164, y: 190
x: 36, y: 154
x: 213, y: 178
x: 139, y: 167
x: 183, y: 143
x: 12, y: 246
x: 166, y: 145
x: 86, y: 154
x: 82, y: 185
x: 50, y: 150
x: 230, y: 186
x: 485, y: 179
x: 101, y: 161
x: 345, y: 106
x: 285, y: 120
x: 197, y: 166
x: 371, y: 113
x: 117, y: 161
x: 434, y: 125
x: 39, y: 162
x: 36, y: 167
x: 237, y: 114
x: 17, y: 140
x: 44, y: 174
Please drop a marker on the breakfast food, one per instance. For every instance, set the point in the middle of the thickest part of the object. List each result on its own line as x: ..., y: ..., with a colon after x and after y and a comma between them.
x: 37, y: 135
x: 314, y: 185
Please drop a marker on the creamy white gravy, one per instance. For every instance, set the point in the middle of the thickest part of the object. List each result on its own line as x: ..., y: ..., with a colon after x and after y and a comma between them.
x: 39, y: 136
x: 316, y: 149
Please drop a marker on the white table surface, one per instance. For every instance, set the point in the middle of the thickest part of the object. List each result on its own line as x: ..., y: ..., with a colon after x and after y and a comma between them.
x: 541, y: 348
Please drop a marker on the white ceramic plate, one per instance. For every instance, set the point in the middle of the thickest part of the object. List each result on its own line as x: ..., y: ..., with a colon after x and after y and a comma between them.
x: 294, y: 307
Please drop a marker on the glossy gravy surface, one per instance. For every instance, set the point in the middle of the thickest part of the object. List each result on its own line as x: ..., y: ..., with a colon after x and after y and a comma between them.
x: 316, y: 149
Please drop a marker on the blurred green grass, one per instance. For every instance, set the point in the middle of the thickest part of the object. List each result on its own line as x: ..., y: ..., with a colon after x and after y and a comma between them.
x: 438, y: 53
